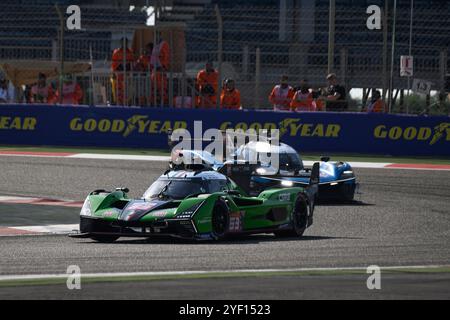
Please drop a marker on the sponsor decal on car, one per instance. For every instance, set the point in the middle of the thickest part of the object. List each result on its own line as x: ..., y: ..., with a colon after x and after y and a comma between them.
x: 236, y: 224
x: 142, y: 205
x: 110, y: 213
x: 159, y: 214
x: 284, y: 197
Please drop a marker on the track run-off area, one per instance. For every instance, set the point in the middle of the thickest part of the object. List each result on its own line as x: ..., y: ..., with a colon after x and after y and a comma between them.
x: 400, y: 219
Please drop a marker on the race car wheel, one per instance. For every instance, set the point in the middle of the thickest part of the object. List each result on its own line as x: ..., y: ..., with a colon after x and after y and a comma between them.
x: 105, y: 239
x: 299, y: 219
x: 220, y: 220
x: 348, y: 192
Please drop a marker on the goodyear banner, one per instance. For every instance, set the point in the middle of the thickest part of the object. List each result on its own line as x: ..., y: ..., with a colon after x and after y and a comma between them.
x: 325, y: 133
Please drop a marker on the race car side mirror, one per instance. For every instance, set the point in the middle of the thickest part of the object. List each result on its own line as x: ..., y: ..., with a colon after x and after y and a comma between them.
x: 315, y: 174
x: 125, y: 190
x: 324, y: 159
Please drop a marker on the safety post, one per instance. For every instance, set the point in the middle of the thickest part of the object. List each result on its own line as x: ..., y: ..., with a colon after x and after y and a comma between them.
x: 61, y: 52
x: 385, y: 49
x: 331, y: 32
x: 257, y: 77
x: 219, y: 54
x: 391, y: 78
x: 124, y: 71
x: 171, y: 104
x: 410, y: 51
x: 91, y: 62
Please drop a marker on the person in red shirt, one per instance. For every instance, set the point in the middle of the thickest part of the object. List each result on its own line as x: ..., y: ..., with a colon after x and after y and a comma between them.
x: 122, y: 61
x: 281, y: 95
x: 41, y: 92
x: 230, y: 97
x: 207, y: 84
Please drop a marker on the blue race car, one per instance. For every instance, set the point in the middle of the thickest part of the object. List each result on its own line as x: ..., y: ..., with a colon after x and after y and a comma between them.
x: 337, y: 179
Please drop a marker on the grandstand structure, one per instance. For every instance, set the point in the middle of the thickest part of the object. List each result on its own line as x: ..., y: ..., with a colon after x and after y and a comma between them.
x: 262, y: 39
x: 30, y: 29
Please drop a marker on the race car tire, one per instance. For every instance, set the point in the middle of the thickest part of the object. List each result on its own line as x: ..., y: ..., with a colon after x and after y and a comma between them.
x: 220, y: 220
x: 105, y: 239
x: 299, y: 219
x: 347, y: 192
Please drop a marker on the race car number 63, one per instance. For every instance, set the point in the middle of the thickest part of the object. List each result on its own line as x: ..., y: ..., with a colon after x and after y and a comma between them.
x: 242, y: 309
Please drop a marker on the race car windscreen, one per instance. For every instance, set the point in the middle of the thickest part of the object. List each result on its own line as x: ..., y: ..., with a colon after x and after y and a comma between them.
x: 174, y: 189
x: 290, y: 161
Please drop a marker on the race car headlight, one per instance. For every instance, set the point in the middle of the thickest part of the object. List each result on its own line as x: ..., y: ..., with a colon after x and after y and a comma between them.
x: 86, y: 210
x: 261, y: 171
x: 287, y: 183
x: 347, y: 174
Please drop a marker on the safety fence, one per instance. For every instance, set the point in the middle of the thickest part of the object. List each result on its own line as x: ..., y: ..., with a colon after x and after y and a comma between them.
x: 324, y: 132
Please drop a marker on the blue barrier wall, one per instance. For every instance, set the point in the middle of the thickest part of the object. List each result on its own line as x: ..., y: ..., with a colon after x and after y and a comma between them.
x: 147, y: 128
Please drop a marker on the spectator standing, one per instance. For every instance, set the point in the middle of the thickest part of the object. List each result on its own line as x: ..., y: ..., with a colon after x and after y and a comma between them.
x: 4, y: 96
x: 376, y: 104
x: 160, y: 64
x: 161, y: 54
x: 122, y: 60
x: 230, y: 97
x: 281, y: 95
x: 336, y: 95
x: 42, y: 92
x: 207, y: 83
x: 143, y: 62
x: 71, y: 91
x: 319, y: 99
x: 144, y: 66
x: 303, y: 98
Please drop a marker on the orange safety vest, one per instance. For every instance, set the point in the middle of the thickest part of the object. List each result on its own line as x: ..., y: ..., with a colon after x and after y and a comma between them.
x: 303, y: 102
x: 377, y: 107
x: 72, y: 93
x: 161, y: 56
x: 204, y: 78
x: 281, y: 98
x: 118, y: 58
x: 230, y: 99
x: 143, y: 63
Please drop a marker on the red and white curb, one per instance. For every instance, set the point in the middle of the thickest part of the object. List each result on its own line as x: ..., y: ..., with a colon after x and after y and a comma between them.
x: 125, y: 157
x: 40, y: 201
x: 55, y: 229
x: 42, y: 229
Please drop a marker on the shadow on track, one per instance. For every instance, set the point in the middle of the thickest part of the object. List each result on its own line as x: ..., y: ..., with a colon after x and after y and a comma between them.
x: 353, y: 203
x: 244, y: 239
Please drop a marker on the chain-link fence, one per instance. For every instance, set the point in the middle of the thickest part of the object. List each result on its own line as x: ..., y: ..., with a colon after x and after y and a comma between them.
x: 261, y: 43
x: 252, y: 42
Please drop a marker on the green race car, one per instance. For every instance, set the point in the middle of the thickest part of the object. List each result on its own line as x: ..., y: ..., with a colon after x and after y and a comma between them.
x: 199, y: 203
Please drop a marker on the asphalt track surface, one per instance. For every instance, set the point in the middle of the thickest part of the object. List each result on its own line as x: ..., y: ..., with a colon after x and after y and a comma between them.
x: 401, y: 218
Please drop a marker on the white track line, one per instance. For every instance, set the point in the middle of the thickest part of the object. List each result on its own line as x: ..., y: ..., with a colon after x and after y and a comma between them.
x: 49, y: 229
x: 370, y: 165
x: 124, y: 157
x: 119, y: 157
x: 212, y: 272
